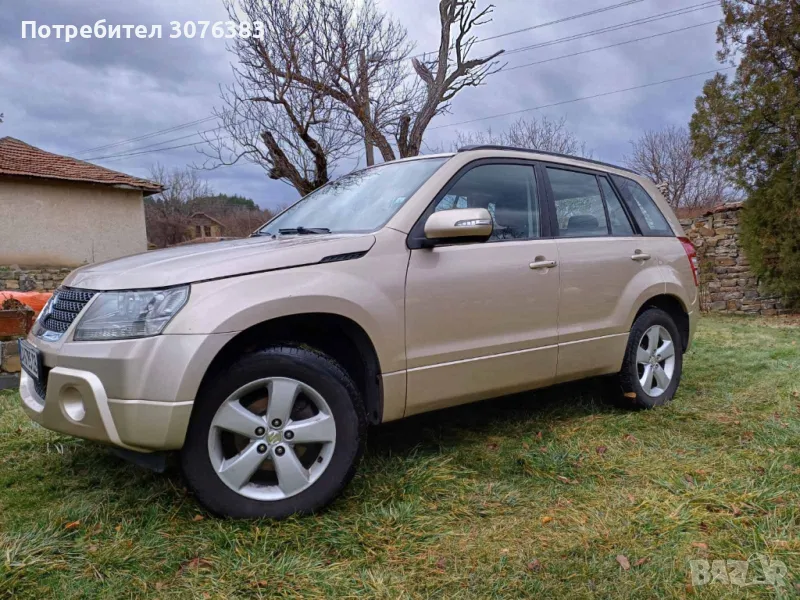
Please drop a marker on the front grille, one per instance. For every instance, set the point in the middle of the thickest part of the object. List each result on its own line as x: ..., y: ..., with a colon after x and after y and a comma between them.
x: 66, y: 305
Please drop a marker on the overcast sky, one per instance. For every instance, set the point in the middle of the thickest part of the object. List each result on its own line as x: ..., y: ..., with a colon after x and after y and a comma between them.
x: 67, y: 98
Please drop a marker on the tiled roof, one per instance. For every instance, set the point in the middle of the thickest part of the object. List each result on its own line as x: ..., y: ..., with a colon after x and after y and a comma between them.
x: 21, y: 159
x: 209, y: 217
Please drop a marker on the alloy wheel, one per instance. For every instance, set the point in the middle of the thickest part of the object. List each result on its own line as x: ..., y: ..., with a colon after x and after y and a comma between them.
x: 655, y: 360
x: 272, y: 438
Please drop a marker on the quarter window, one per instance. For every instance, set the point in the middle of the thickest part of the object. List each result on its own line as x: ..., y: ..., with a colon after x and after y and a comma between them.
x: 579, y: 205
x: 644, y: 209
x: 620, y: 225
x: 508, y: 192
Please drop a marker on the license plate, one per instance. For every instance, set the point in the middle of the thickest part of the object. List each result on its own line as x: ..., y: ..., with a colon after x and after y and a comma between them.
x: 30, y: 358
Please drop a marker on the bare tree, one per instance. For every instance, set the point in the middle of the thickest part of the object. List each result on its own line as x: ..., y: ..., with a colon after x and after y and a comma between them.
x: 544, y: 134
x: 446, y: 72
x: 167, y: 213
x: 345, y: 63
x: 295, y: 132
x: 361, y: 64
x: 181, y: 186
x: 687, y: 182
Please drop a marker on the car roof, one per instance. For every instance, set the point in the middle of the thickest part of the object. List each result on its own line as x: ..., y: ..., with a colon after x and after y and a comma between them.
x: 545, y: 153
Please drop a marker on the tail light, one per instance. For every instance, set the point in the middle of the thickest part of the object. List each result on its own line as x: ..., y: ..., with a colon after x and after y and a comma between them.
x: 691, y: 255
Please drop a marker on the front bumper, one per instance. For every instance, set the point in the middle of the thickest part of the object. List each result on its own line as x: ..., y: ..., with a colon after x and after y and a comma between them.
x: 77, y: 404
x: 136, y: 394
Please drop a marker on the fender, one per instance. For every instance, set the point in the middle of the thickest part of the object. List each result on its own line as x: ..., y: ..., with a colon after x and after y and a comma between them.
x: 644, y: 285
x: 376, y: 304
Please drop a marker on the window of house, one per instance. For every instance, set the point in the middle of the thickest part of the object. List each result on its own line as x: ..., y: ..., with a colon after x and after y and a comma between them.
x: 207, y: 230
x: 579, y: 205
x: 197, y: 231
x: 508, y: 192
x: 644, y: 209
x: 620, y: 225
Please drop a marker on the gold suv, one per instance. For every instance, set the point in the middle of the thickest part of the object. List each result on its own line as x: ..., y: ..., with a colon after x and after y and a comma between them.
x: 403, y: 288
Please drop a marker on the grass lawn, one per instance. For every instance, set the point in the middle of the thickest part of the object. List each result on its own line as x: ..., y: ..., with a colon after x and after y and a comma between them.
x: 538, y: 495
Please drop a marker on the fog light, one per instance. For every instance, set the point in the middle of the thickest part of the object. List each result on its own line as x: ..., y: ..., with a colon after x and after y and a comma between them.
x: 72, y: 403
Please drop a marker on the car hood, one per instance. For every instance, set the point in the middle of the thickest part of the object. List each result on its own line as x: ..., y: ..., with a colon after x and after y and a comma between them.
x: 213, y: 260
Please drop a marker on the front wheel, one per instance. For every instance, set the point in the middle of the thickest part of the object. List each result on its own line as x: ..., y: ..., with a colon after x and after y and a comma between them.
x: 279, y: 432
x: 651, y: 370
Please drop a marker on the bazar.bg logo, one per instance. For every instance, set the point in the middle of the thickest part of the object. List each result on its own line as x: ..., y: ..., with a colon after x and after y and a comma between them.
x: 764, y: 571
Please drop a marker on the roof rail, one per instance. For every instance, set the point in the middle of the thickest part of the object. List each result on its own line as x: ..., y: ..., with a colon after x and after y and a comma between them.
x: 546, y: 153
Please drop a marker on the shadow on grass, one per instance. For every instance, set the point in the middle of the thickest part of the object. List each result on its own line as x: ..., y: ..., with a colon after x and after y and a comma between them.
x: 562, y: 403
x: 96, y: 470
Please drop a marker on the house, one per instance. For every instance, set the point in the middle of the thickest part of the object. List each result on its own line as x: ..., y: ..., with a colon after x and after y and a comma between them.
x: 202, y: 225
x: 57, y: 211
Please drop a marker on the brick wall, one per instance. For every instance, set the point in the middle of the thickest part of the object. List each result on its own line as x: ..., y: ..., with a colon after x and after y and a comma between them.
x: 32, y: 279
x: 727, y: 284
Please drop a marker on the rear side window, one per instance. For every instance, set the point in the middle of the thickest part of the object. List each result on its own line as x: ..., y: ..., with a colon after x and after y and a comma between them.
x: 644, y: 209
x: 579, y: 205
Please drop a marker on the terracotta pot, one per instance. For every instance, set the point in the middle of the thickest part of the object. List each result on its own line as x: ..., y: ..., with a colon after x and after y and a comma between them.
x: 16, y: 323
x: 36, y: 300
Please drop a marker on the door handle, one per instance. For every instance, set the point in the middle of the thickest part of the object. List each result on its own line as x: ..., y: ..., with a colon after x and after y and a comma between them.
x: 543, y: 264
x: 640, y: 256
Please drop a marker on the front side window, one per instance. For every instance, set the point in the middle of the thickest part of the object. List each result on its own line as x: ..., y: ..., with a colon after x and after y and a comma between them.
x: 508, y: 192
x: 579, y: 205
x: 358, y: 202
x: 644, y: 209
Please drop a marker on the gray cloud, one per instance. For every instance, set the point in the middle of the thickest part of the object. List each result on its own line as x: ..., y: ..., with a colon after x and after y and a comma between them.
x: 69, y: 97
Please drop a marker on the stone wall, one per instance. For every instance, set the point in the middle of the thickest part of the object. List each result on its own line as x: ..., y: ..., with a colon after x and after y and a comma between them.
x: 726, y: 282
x: 32, y: 279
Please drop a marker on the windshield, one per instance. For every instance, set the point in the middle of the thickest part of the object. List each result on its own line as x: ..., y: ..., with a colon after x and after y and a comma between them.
x: 361, y: 201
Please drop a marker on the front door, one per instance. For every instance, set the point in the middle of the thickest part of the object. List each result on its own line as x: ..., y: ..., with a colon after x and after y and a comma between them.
x: 481, y: 318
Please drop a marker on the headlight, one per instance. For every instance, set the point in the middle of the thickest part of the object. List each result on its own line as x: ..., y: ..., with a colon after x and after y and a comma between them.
x: 122, y: 315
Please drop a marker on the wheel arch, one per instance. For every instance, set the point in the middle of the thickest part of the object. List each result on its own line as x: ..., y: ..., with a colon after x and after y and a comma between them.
x: 675, y: 308
x: 340, y: 337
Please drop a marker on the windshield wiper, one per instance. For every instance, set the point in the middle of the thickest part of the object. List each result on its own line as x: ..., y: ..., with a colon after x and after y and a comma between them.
x: 300, y: 230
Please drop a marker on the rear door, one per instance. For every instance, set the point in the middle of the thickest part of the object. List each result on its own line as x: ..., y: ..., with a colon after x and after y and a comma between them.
x: 605, y: 264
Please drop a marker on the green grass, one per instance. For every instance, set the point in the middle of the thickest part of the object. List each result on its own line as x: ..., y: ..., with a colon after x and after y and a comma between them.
x: 528, y: 496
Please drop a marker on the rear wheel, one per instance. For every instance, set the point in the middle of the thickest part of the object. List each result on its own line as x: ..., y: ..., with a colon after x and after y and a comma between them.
x: 279, y: 432
x: 653, y: 362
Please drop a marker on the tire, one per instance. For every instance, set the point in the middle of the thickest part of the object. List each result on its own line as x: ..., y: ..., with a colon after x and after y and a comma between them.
x: 227, y: 401
x: 629, y: 391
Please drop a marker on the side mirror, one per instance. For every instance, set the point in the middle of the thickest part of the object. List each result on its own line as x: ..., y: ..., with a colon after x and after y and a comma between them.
x: 468, y: 224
